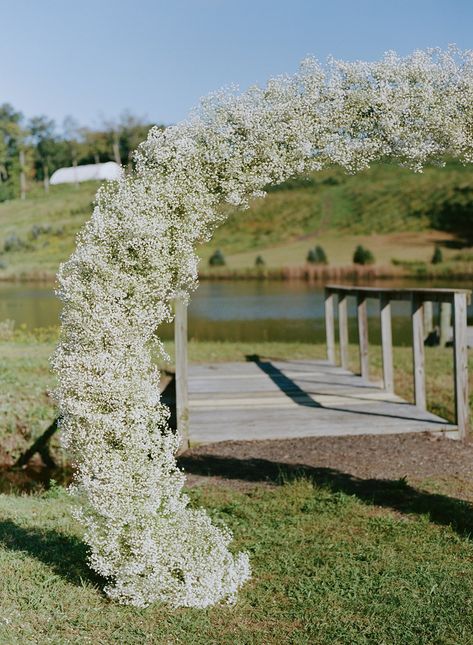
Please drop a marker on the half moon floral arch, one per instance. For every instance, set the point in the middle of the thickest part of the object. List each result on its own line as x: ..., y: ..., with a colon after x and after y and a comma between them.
x: 137, y: 253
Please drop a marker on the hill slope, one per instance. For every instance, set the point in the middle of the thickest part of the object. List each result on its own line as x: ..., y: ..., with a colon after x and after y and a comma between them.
x: 383, y: 199
x: 329, y: 207
x: 38, y: 233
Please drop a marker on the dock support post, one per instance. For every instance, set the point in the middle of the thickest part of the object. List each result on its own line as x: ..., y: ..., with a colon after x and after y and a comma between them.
x: 330, y: 326
x: 428, y: 318
x: 182, y: 402
x: 460, y: 357
x: 418, y: 352
x: 387, y: 342
x: 362, y: 315
x: 343, y: 329
x: 445, y: 321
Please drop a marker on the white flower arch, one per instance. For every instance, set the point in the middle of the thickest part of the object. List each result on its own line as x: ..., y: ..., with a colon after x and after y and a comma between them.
x: 137, y: 253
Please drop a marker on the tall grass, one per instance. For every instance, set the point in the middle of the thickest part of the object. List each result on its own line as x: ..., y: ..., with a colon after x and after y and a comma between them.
x: 308, y: 272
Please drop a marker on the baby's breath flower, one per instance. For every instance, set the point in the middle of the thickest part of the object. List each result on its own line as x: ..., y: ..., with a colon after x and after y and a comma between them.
x: 137, y: 253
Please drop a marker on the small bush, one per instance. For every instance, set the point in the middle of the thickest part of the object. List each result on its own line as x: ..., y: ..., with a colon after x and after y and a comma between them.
x: 463, y: 257
x: 317, y: 256
x: 407, y: 264
x: 437, y: 257
x: 362, y: 256
x: 39, y: 229
x: 217, y: 259
x: 13, y: 243
x: 259, y: 262
x: 320, y: 255
x: 311, y: 256
x: 331, y: 181
x: 294, y: 183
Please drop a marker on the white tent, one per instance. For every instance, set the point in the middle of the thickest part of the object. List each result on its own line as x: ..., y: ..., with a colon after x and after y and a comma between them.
x: 93, y: 171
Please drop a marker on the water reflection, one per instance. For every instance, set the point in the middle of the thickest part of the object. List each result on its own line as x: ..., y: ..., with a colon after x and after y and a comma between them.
x: 246, y: 310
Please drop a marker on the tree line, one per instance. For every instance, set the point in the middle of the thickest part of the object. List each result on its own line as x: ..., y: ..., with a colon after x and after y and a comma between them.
x: 31, y: 150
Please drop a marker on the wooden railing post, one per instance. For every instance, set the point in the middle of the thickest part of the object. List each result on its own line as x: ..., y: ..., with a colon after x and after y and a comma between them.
x: 362, y: 315
x: 182, y: 402
x: 343, y: 329
x: 460, y: 355
x: 386, y: 342
x: 329, y: 326
x: 422, y: 304
x: 418, y: 352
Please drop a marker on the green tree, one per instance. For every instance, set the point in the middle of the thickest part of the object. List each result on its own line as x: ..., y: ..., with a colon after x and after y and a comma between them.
x: 320, y: 255
x: 317, y: 255
x: 437, y: 257
x: 11, y: 139
x: 43, y: 136
x: 132, y: 130
x: 95, y: 146
x: 363, y: 255
x: 73, y: 137
x: 259, y: 262
x: 311, y: 256
x: 217, y: 259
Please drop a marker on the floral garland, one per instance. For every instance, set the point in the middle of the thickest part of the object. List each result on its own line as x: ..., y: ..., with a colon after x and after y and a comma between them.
x: 137, y: 253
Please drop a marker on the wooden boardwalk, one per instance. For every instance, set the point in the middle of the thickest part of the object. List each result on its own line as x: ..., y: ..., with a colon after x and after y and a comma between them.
x: 263, y: 399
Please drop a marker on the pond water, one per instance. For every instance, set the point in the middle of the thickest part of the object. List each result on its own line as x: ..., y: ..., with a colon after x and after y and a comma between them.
x: 245, y: 310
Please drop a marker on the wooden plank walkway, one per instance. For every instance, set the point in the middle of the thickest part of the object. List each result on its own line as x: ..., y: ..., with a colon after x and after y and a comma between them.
x: 265, y: 399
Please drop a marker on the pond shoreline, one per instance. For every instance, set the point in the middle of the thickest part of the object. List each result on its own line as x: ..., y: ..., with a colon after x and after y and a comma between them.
x: 305, y: 273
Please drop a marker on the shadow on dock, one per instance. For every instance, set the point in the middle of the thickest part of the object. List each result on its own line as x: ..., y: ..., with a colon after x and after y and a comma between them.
x: 283, y: 382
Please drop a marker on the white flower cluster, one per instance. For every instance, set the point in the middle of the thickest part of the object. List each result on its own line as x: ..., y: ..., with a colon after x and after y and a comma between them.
x: 137, y: 254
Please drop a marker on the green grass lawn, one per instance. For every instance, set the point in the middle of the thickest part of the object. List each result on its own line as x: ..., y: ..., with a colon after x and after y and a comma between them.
x: 327, y: 568
x: 26, y: 409
x: 332, y: 562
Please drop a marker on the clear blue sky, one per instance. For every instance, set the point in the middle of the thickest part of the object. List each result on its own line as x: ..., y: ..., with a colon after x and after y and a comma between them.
x: 93, y: 58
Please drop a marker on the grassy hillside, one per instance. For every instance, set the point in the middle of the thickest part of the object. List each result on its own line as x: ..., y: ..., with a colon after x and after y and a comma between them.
x: 391, y: 210
x: 38, y: 233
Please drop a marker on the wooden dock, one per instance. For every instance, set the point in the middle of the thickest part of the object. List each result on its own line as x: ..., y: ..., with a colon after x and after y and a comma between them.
x: 264, y: 399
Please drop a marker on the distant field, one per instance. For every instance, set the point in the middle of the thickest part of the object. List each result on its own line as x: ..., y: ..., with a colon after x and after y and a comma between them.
x: 397, y: 214
x: 339, y: 248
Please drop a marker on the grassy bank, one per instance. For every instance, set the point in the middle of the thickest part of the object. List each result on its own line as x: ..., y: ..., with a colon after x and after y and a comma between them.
x: 399, y: 215
x: 27, y: 410
x: 327, y: 568
x: 452, y: 271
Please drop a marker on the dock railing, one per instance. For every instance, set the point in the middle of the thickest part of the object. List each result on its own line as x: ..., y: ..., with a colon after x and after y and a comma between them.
x: 452, y: 300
